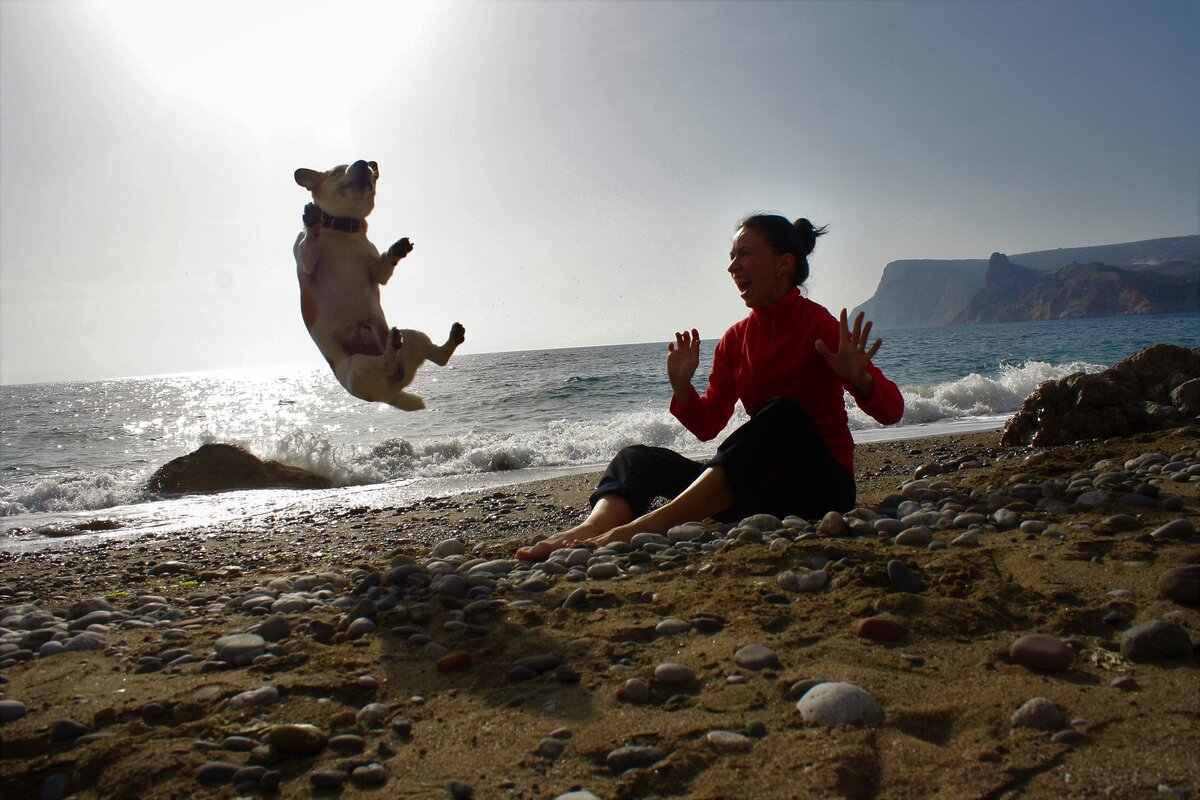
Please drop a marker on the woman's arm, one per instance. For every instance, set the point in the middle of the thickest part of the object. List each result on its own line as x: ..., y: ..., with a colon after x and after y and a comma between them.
x: 875, y: 394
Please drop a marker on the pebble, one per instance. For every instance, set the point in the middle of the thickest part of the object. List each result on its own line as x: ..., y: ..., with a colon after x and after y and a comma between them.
x: 373, y: 774
x: 967, y: 539
x: 1042, y: 652
x: 373, y: 715
x: 581, y: 794
x: 550, y: 748
x: 1176, y: 529
x: 671, y: 674
x: 67, y: 729
x: 456, y: 659
x: 630, y: 757
x: 262, y: 696
x: 239, y: 649
x: 803, y: 582
x: 299, y: 739
x: 1038, y: 713
x: 1181, y: 584
x: 729, y: 741
x: 327, y: 778
x: 839, y: 703
x: 53, y: 787
x: 756, y: 656
x: 881, y: 629
x: 11, y: 710
x: 904, y: 579
x: 636, y: 690
x: 215, y: 773
x: 1156, y: 640
x: 672, y: 627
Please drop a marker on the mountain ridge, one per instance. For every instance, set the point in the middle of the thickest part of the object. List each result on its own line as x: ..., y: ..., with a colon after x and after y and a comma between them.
x: 1156, y: 276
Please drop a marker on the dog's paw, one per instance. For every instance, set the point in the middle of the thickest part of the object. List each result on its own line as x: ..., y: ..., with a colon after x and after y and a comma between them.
x: 458, y: 333
x: 400, y: 249
x: 312, y: 215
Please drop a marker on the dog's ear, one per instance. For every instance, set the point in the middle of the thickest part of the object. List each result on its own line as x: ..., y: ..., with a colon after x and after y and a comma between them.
x: 308, y: 178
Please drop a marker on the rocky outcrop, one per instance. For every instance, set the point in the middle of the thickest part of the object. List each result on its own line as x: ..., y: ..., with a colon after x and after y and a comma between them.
x: 227, y: 467
x: 1146, y: 277
x: 1011, y: 292
x: 1154, y: 389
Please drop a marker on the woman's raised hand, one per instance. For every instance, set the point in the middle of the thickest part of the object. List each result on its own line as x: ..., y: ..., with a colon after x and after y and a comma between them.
x: 853, y: 357
x: 683, y: 357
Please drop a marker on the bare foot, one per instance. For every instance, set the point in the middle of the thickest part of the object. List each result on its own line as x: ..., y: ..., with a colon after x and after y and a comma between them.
x: 542, y: 550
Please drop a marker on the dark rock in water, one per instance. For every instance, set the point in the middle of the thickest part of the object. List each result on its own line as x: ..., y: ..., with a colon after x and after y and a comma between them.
x: 227, y: 467
x: 1137, y: 395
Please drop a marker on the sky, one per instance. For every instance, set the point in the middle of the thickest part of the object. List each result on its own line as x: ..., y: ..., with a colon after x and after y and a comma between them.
x: 571, y: 173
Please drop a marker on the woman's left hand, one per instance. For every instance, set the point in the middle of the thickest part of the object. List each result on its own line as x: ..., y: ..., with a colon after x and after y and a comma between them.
x: 853, y: 357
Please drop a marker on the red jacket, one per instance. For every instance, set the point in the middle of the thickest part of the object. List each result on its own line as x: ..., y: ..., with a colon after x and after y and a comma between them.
x: 771, y: 353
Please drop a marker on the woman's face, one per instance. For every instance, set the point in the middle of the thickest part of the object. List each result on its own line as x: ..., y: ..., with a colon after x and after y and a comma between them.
x: 763, y: 277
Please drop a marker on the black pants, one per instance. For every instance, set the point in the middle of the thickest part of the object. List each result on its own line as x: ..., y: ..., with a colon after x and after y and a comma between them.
x: 776, y: 463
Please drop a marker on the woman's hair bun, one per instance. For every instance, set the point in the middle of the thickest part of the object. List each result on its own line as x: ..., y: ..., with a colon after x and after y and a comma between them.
x: 808, y: 234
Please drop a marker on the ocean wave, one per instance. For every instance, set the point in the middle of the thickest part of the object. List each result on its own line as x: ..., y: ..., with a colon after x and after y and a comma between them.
x: 77, y: 492
x: 974, y: 395
x: 339, y: 455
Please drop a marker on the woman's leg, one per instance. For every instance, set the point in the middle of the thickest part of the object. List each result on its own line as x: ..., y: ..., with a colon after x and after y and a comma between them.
x: 634, y: 477
x: 609, y: 511
x: 777, y: 463
x: 708, y: 495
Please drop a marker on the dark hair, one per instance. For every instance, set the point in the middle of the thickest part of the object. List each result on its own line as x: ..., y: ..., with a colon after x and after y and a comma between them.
x: 798, y: 238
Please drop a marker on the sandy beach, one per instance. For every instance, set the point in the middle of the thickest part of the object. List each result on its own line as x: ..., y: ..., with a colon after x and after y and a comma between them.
x: 371, y: 668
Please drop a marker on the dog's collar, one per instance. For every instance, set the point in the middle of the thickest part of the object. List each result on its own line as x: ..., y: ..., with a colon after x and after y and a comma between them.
x: 343, y: 224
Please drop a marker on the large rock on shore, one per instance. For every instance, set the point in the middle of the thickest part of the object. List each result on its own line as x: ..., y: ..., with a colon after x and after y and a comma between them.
x: 1149, y: 391
x: 227, y: 467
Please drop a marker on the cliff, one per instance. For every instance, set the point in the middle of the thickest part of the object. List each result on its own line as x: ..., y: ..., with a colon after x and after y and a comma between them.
x: 1144, y: 277
x: 1011, y: 292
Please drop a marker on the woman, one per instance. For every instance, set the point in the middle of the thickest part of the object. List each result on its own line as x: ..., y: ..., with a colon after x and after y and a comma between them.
x: 788, y: 362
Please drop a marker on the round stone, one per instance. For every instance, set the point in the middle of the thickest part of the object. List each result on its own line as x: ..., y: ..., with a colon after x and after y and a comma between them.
x: 672, y: 627
x: 239, y: 649
x: 756, y: 656
x: 1175, y: 529
x: 1152, y: 641
x: 216, y: 773
x: 630, y: 757
x: 636, y: 690
x: 373, y: 715
x: 327, y: 778
x: 1041, y: 651
x: 671, y: 674
x: 914, y: 537
x: 66, y: 729
x: 1181, y: 584
x: 839, y: 703
x: 299, y: 739
x: 729, y: 741
x: 803, y: 582
x: 904, y: 579
x: 881, y: 629
x: 1038, y: 713
x: 454, y: 660
x: 11, y: 710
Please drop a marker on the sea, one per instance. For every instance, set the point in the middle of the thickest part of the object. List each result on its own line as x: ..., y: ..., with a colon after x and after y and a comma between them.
x: 77, y: 455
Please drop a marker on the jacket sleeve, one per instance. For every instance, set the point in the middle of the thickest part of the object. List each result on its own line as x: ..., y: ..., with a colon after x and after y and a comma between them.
x: 706, y: 416
x: 886, y: 404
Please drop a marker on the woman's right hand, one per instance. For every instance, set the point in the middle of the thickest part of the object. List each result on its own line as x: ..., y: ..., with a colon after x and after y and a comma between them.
x: 683, y: 357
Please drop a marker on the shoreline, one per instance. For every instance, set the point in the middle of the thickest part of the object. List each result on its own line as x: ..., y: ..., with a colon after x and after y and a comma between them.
x: 24, y: 532
x: 435, y: 686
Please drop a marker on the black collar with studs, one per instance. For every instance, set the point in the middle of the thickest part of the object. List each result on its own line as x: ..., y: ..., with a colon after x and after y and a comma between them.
x: 343, y: 224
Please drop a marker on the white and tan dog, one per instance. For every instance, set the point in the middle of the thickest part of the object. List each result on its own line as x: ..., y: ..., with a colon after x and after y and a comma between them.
x: 340, y: 273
